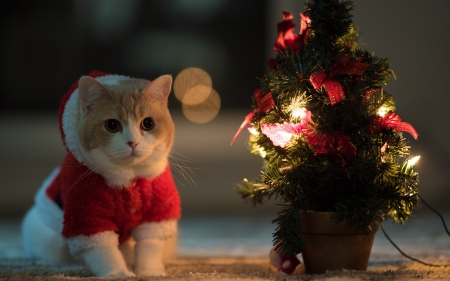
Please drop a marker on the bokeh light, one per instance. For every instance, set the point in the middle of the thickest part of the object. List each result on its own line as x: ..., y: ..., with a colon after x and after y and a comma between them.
x: 196, y: 95
x: 205, y: 111
x: 188, y: 79
x: 200, y: 102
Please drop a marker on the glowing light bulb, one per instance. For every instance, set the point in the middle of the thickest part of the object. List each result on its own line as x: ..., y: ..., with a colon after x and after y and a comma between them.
x: 407, y: 167
x: 413, y: 161
x: 262, y: 152
x: 253, y: 131
x: 299, y: 112
x: 382, y: 111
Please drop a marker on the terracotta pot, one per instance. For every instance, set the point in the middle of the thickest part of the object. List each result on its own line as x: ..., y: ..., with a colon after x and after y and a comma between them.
x: 334, y: 246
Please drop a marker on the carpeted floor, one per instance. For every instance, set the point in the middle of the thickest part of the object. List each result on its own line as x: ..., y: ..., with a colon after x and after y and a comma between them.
x: 237, y: 247
x: 224, y: 269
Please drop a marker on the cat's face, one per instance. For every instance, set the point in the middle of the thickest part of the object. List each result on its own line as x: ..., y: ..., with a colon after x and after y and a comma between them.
x: 125, y: 130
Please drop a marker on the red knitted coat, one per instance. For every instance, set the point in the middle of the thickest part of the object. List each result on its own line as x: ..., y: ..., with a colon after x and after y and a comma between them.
x: 90, y: 206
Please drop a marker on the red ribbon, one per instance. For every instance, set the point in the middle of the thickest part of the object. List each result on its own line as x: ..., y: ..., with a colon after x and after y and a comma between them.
x: 265, y: 103
x: 333, y: 87
x: 286, y: 37
x: 393, y: 121
x: 344, y: 66
x: 370, y: 92
x: 324, y: 143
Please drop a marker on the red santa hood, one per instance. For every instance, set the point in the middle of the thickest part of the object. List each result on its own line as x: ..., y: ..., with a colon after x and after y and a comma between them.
x: 69, y: 111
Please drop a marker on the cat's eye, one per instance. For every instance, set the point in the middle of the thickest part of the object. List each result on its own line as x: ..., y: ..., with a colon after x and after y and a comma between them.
x: 147, y: 124
x: 112, y: 125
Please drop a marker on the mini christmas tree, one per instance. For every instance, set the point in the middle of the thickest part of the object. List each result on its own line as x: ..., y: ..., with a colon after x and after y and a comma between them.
x: 327, y: 130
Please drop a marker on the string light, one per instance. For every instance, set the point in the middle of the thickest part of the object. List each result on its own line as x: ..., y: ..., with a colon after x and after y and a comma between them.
x: 253, y: 131
x: 413, y: 161
x: 296, y: 107
x: 408, y: 166
x: 262, y: 152
x: 299, y: 113
x: 382, y: 111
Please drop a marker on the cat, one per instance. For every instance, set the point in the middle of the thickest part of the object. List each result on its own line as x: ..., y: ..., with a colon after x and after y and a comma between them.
x: 112, y: 203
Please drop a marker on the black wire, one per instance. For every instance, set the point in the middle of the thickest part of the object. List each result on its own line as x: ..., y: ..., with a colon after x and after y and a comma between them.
x: 437, y: 213
x: 409, y: 257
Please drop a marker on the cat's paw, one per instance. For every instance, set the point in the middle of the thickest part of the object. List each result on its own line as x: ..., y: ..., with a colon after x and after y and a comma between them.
x: 155, y: 269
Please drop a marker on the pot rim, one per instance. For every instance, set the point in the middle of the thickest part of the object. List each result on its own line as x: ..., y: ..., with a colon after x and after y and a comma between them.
x: 324, y: 223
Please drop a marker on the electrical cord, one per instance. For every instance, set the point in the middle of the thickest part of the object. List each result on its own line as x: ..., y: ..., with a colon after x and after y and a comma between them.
x: 437, y: 213
x: 409, y: 257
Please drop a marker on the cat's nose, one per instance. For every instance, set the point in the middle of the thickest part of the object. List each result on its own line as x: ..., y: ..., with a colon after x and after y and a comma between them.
x: 132, y: 144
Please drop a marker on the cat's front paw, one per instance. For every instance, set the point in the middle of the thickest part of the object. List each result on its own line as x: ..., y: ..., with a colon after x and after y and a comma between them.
x: 154, y: 269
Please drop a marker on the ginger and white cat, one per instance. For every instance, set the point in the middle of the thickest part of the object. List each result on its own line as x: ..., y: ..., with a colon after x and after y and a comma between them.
x: 112, y: 203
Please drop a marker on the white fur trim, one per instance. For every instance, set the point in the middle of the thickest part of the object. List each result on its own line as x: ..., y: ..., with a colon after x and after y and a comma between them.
x: 155, y: 230
x: 82, y: 243
x: 47, y: 210
x: 72, y: 113
x: 275, y: 258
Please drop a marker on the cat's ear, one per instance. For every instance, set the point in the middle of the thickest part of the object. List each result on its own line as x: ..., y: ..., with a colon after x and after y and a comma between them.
x: 159, y: 88
x: 89, y: 91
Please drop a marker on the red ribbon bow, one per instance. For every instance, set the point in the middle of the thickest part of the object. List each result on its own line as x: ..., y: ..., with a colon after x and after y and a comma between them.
x: 337, y: 143
x: 344, y: 66
x: 392, y: 121
x: 286, y: 37
x: 333, y: 87
x: 265, y: 103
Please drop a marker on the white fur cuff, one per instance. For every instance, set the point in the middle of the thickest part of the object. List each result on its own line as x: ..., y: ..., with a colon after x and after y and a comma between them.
x: 82, y: 243
x: 155, y: 230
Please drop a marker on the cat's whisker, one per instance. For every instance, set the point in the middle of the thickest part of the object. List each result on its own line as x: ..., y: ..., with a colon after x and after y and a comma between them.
x: 71, y: 164
x: 182, y: 161
x: 182, y: 157
x: 182, y: 169
x: 118, y: 152
x: 100, y: 162
x: 85, y: 174
x: 186, y: 176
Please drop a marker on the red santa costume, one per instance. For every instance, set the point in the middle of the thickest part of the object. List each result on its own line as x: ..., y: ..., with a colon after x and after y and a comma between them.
x: 79, y: 204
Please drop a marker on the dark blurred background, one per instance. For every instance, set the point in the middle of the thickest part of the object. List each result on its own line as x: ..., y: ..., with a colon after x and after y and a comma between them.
x: 52, y: 43
x: 47, y: 45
